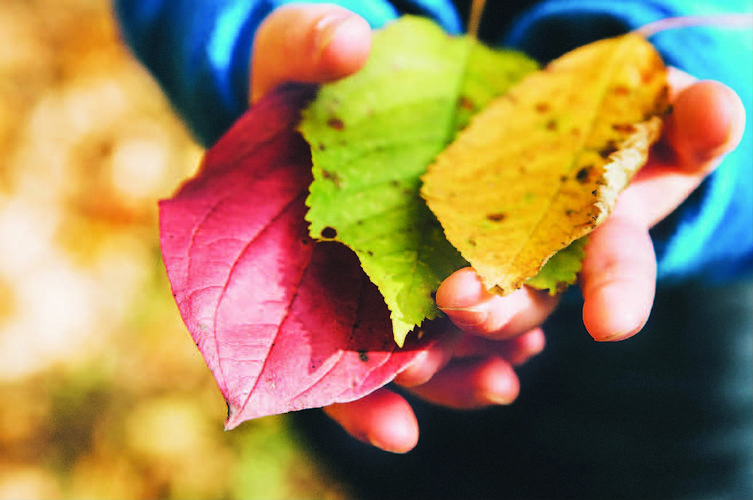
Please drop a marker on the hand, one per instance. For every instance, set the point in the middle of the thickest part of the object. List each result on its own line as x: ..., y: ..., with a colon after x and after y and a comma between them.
x: 618, y: 280
x: 321, y: 43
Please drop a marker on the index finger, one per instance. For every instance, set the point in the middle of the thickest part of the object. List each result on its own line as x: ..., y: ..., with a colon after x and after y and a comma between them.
x: 465, y: 300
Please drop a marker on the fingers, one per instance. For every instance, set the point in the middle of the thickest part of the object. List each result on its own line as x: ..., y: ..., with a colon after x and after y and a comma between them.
x: 385, y: 419
x: 618, y: 280
x: 517, y: 350
x: 382, y: 419
x: 472, y: 383
x: 433, y: 359
x: 707, y: 121
x: 472, y: 308
x: 463, y: 372
x: 454, y: 345
x: 307, y: 43
x: 619, y: 272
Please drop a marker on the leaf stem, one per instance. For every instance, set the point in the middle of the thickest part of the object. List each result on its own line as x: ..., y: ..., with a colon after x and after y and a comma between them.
x: 477, y: 8
x: 721, y: 20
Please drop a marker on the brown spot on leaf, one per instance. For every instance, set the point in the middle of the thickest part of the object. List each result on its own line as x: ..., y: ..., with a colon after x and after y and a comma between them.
x: 332, y: 177
x: 542, y: 107
x: 496, y: 217
x: 584, y: 174
x: 663, y: 107
x: 363, y: 356
x: 329, y: 233
x: 466, y: 103
x: 649, y: 74
x: 621, y: 90
x: 335, y: 123
x: 551, y: 125
x: 663, y: 104
x: 608, y: 149
x: 624, y: 128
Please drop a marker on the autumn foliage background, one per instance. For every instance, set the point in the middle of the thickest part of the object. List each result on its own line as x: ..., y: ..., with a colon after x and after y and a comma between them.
x: 103, y: 394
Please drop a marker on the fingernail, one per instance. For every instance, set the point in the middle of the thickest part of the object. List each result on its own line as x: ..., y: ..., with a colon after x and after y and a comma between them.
x: 736, y: 122
x: 328, y: 26
x: 377, y: 443
x: 394, y: 447
x: 466, y: 317
x: 620, y: 336
x: 503, y: 390
x: 497, y: 398
x: 624, y: 325
x: 735, y: 127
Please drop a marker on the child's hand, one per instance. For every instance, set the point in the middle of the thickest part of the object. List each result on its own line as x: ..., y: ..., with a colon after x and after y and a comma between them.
x: 618, y: 281
x: 320, y: 43
x: 619, y: 274
x: 313, y: 43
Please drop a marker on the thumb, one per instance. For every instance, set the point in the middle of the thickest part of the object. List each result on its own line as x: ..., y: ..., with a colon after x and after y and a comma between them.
x: 708, y: 121
x: 307, y: 43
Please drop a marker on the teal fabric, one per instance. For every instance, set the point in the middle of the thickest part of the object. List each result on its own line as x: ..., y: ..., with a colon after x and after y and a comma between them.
x: 199, y: 51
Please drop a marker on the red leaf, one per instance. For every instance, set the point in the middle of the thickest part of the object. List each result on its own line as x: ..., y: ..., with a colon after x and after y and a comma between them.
x: 283, y: 323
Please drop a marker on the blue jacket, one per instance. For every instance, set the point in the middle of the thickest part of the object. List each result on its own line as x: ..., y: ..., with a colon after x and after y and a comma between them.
x: 199, y: 52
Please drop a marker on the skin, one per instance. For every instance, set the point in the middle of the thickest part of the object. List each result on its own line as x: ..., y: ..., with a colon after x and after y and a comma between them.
x: 323, y: 43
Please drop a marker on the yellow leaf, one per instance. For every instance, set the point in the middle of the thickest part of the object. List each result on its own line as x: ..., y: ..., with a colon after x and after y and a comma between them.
x: 542, y: 165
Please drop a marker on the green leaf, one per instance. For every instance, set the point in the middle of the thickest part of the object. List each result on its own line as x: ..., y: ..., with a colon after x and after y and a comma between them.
x: 373, y: 135
x: 562, y: 269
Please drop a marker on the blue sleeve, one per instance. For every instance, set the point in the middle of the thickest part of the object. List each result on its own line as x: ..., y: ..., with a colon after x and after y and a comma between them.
x: 199, y: 51
x: 711, y: 234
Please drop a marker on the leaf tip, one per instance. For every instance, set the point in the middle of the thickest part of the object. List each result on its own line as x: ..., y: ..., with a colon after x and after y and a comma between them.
x: 401, y: 329
x: 234, y: 418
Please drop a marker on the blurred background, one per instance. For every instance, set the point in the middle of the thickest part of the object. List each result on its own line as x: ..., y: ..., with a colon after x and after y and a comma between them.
x: 104, y: 395
x: 102, y: 392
